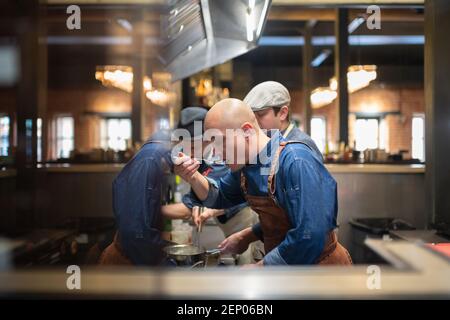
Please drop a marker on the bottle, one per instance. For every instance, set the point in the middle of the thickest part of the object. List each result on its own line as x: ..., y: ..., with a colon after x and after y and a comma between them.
x: 177, y: 197
x: 167, y: 229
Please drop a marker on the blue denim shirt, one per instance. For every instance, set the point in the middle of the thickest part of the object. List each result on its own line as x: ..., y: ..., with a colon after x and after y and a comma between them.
x: 215, y: 172
x: 294, y: 135
x: 137, y: 204
x: 304, y: 189
x: 298, y: 135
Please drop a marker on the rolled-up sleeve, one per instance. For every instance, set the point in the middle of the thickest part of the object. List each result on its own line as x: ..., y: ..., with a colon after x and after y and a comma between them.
x: 309, y: 199
x: 190, y: 200
x: 257, y: 231
x: 274, y: 258
x: 225, y: 192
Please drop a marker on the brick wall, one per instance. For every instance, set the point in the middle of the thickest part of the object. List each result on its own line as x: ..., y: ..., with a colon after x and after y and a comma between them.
x: 82, y: 103
x: 377, y: 98
x: 86, y: 106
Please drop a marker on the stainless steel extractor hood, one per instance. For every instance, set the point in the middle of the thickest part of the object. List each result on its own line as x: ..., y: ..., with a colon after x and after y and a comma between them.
x: 198, y: 34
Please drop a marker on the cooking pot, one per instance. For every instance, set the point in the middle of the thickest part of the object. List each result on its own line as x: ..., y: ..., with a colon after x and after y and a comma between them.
x: 187, y: 255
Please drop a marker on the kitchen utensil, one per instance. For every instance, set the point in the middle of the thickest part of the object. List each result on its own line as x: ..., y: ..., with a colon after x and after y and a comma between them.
x: 199, y: 228
x: 189, y: 256
x: 195, y: 214
x: 197, y: 239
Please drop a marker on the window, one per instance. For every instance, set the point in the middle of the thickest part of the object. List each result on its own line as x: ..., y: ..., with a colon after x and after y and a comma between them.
x: 4, y: 135
x: 64, y: 136
x: 319, y: 132
x: 164, y: 124
x: 367, y: 133
x: 115, y: 133
x: 384, y: 136
x: 418, y: 135
x: 39, y: 139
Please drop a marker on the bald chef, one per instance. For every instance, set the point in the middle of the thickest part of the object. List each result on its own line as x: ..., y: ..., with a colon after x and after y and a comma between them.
x: 284, y: 182
x: 270, y: 102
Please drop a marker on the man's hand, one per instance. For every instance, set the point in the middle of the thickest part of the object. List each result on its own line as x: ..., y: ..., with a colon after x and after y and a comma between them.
x: 206, y: 214
x: 186, y: 167
x: 238, y: 242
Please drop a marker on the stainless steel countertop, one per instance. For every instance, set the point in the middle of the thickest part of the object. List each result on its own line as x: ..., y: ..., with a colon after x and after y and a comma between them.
x: 82, y: 168
x: 428, y: 236
x: 376, y: 168
x: 333, y: 168
x: 421, y: 273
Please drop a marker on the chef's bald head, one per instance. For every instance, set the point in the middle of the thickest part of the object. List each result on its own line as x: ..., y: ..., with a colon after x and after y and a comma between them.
x: 230, y: 114
x: 233, y: 127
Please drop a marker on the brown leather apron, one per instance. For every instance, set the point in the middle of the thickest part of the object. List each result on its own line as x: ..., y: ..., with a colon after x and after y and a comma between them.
x: 113, y: 254
x: 275, y: 222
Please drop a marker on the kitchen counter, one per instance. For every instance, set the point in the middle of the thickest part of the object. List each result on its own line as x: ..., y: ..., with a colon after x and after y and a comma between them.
x: 333, y: 168
x: 379, y: 191
x: 364, y: 191
x: 70, y: 168
x: 376, y: 168
x: 427, y: 236
x: 82, y: 168
x: 7, y: 173
x: 414, y: 272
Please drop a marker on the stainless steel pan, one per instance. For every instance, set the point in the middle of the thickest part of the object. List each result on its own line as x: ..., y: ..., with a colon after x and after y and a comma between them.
x: 187, y: 255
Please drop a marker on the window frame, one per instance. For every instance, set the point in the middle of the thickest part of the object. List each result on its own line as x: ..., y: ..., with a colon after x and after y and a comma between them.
x: 8, y: 136
x: 324, y: 119
x: 422, y: 117
x: 104, y: 141
x: 59, y: 139
x: 370, y: 117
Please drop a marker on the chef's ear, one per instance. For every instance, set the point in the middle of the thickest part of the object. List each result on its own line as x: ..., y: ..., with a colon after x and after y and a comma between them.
x: 248, y: 129
x: 284, y: 113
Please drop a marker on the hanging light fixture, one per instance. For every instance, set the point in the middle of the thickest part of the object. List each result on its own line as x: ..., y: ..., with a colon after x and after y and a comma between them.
x: 358, y: 77
x: 115, y: 76
x: 147, y: 83
x: 121, y: 77
x: 322, y: 96
x: 157, y: 88
x: 159, y: 97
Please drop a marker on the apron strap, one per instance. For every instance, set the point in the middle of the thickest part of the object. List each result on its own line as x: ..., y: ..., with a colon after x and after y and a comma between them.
x: 243, y: 183
x: 271, y: 179
x: 275, y: 160
x: 288, y: 130
x: 329, y: 247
